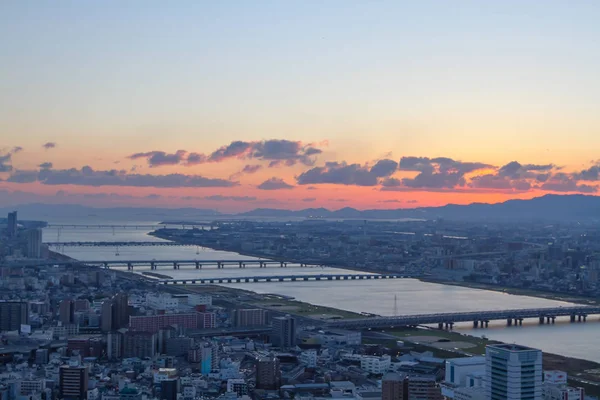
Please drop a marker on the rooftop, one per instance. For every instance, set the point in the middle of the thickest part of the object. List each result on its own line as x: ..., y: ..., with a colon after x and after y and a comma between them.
x: 511, y: 347
x: 467, y: 360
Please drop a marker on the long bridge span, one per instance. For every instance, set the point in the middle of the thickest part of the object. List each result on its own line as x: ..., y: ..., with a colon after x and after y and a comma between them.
x: 479, y: 318
x: 129, y: 226
x: 118, y: 244
x: 282, y: 278
x: 174, y: 264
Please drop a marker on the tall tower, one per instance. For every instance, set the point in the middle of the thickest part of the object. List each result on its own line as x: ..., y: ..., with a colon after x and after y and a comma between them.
x: 513, y: 372
x: 12, y: 224
x: 284, y: 332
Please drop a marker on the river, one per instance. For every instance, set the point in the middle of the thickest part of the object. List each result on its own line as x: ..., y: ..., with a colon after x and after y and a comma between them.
x: 383, y: 297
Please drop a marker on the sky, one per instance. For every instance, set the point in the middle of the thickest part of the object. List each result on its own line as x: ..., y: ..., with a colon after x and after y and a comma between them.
x: 235, y: 105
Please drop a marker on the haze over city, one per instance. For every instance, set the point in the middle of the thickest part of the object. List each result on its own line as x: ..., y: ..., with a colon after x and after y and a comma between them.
x: 240, y: 105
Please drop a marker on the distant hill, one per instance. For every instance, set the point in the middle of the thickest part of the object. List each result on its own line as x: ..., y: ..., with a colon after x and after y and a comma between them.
x: 548, y: 207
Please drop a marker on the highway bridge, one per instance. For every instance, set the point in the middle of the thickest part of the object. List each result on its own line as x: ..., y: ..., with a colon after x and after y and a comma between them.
x: 281, y: 278
x: 479, y: 318
x: 117, y: 244
x: 101, y: 226
x: 155, y: 264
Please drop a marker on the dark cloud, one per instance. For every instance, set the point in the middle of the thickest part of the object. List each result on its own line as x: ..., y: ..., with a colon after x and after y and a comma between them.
x: 87, y: 176
x: 17, y: 149
x: 590, y: 174
x: 291, y: 152
x: 250, y: 169
x: 219, y: 197
x: 234, y: 149
x: 391, y: 182
x: 384, y: 168
x: 437, y: 173
x: 49, y: 145
x: 515, y: 170
x: 493, y: 181
x: 274, y: 184
x: 562, y: 182
x: 347, y: 174
x: 278, y: 152
x: 5, y: 162
x: 195, y: 159
x: 390, y: 201
x: 309, y: 199
x: 153, y: 196
x: 159, y: 158
x: 45, y: 165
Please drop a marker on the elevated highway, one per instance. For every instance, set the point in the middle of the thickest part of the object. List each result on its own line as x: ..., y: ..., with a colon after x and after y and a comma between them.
x: 479, y: 318
x: 282, y: 278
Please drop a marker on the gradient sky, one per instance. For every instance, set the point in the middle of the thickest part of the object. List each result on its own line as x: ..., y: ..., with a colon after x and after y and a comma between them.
x: 317, y: 92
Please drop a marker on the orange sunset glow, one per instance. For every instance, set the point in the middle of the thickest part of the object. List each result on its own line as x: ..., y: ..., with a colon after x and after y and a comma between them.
x: 297, y: 105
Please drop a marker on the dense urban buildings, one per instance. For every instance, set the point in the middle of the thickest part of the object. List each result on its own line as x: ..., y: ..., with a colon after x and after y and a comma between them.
x: 133, y: 339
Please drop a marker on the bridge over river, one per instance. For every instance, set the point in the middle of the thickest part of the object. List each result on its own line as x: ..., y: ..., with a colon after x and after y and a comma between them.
x: 282, y: 278
x: 479, y: 318
x: 118, y: 244
x: 174, y: 264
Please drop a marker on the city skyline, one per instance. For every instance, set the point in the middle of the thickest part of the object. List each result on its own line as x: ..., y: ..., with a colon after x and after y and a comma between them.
x: 297, y: 105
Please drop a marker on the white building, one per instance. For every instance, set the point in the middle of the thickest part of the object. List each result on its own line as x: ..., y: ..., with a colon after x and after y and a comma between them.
x: 162, y: 301
x: 513, y: 372
x: 556, y: 388
x: 238, y: 386
x: 376, y: 365
x: 463, y: 372
x: 309, y: 358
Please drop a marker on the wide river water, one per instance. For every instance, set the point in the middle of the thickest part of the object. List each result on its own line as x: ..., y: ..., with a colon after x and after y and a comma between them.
x: 407, y: 296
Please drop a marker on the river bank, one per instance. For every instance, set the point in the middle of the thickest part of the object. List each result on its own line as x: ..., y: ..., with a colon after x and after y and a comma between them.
x: 517, y: 291
x: 431, y: 279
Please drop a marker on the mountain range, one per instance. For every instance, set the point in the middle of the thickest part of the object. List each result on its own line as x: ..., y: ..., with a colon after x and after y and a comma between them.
x: 549, y: 207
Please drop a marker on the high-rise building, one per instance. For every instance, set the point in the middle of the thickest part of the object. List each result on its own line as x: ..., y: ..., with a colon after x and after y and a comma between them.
x: 268, y: 373
x: 34, y: 243
x: 106, y: 316
x: 139, y: 344
x: 114, y: 345
x: 115, y: 313
x: 13, y: 314
x: 82, y: 305
x: 73, y: 382
x: 41, y: 356
x: 67, y: 311
x: 121, y: 314
x: 284, y: 332
x: 11, y: 229
x: 513, y: 372
x: 393, y: 387
x: 250, y: 317
x: 207, y: 354
x: 168, y: 389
